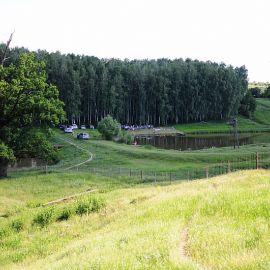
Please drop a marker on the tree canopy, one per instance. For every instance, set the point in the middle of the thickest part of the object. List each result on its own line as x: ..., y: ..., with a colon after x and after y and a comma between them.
x: 26, y: 101
x: 157, y: 92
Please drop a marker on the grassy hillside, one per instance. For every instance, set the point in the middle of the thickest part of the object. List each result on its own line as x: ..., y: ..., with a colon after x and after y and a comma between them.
x: 122, y: 158
x: 221, y: 223
x: 262, y: 113
x: 260, y: 122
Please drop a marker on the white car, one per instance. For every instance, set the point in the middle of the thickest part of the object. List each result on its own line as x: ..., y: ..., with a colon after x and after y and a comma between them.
x: 83, y: 127
x: 74, y: 126
x: 83, y: 136
x: 68, y: 130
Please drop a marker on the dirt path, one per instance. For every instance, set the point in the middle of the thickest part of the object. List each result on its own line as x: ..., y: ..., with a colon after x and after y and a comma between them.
x: 185, y: 257
x: 183, y: 246
x: 65, y: 199
x: 83, y: 149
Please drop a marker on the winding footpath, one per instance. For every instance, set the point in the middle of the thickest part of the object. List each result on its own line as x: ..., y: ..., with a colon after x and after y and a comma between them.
x: 185, y: 257
x: 90, y: 154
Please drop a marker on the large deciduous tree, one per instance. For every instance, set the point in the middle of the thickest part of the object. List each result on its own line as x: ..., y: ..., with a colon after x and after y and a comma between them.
x: 26, y: 101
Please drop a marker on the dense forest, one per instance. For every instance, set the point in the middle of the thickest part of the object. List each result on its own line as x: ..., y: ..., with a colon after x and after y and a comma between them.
x: 157, y: 92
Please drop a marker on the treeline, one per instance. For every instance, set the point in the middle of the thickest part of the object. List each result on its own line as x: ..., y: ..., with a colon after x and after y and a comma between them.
x: 159, y: 92
x: 259, y: 92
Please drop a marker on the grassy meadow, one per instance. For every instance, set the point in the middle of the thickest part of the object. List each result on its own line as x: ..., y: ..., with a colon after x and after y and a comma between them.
x: 122, y: 157
x: 135, y: 227
x: 120, y: 222
x: 258, y: 123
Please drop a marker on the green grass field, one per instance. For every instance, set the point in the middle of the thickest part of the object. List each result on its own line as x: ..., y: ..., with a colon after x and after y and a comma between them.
x: 259, y: 122
x: 129, y: 223
x: 139, y: 227
x: 115, y: 156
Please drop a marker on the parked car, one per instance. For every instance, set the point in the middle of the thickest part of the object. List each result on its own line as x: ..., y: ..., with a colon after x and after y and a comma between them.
x: 83, y: 136
x: 90, y: 126
x: 82, y: 127
x: 62, y: 126
x: 68, y: 130
x: 74, y: 126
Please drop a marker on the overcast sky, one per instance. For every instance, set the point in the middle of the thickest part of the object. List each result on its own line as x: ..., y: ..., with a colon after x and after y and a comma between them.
x: 236, y: 32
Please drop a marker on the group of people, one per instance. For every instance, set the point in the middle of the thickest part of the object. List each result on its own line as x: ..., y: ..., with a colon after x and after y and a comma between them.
x: 136, y: 127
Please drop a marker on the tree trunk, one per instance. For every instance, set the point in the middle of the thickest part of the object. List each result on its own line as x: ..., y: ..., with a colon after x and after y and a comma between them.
x: 3, y: 168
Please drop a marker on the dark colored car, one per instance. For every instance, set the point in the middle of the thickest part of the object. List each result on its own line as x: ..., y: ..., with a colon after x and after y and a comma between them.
x: 83, y: 136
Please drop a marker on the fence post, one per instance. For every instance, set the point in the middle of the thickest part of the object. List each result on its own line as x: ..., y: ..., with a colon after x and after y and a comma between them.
x: 155, y: 178
x: 141, y: 175
x: 170, y: 177
x: 130, y: 172
x: 206, y: 172
x: 46, y: 169
x: 257, y: 160
x: 229, y: 166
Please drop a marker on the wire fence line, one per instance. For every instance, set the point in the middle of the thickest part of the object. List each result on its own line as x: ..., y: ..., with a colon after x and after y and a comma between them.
x: 247, y: 162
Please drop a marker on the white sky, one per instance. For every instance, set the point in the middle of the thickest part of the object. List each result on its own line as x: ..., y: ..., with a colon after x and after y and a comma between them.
x: 236, y: 32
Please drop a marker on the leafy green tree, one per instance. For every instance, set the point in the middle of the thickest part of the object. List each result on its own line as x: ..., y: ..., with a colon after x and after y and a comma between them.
x: 256, y: 92
x: 158, y: 92
x: 266, y: 93
x: 26, y: 101
x: 108, y: 127
x: 248, y: 105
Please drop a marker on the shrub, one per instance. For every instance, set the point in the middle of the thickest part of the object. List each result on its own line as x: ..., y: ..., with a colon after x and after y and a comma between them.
x: 125, y: 137
x: 247, y: 105
x: 64, y: 215
x: 86, y: 206
x: 108, y: 127
x: 17, y: 225
x: 43, y: 218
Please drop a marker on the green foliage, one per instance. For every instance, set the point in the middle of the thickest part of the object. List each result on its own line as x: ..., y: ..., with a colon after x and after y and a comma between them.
x: 36, y: 144
x: 248, y: 105
x: 108, y: 127
x: 26, y: 100
x: 6, y: 154
x: 17, y: 225
x: 43, y: 218
x: 266, y: 93
x: 65, y: 214
x: 88, y: 205
x: 125, y: 137
x: 256, y: 92
x: 158, y: 92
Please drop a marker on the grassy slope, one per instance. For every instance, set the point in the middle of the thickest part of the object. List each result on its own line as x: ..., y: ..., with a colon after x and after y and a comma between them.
x: 262, y: 113
x: 260, y: 122
x: 113, y: 155
x: 141, y: 226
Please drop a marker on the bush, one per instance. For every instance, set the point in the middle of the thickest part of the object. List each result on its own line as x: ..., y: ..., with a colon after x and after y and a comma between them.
x: 247, y: 105
x: 86, y: 206
x: 64, y: 215
x: 17, y: 225
x: 43, y: 218
x: 125, y: 137
x: 266, y: 93
x: 108, y: 127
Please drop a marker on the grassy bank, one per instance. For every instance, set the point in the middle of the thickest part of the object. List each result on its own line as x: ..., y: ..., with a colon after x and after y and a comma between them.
x: 139, y: 227
x: 258, y: 123
x: 112, y: 155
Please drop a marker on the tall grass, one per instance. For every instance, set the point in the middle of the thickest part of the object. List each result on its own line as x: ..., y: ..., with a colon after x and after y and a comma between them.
x: 140, y: 227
